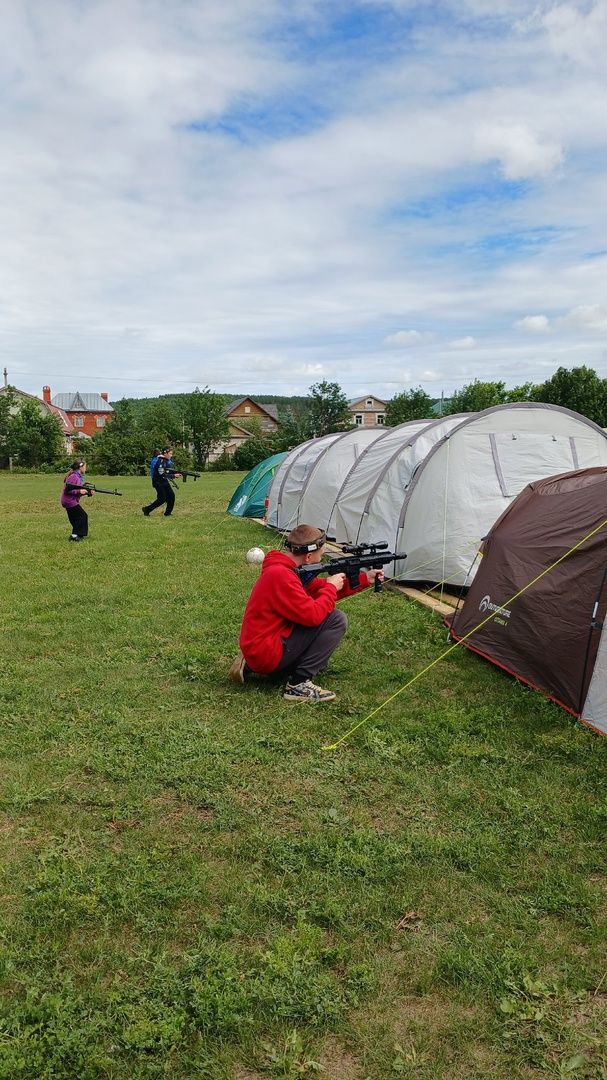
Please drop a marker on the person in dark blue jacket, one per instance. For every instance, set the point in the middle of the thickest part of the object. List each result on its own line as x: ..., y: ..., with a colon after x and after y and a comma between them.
x: 161, y: 467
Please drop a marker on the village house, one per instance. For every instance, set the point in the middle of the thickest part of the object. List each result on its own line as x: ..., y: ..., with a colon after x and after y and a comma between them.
x: 368, y: 411
x: 241, y: 414
x: 46, y: 406
x: 89, y: 413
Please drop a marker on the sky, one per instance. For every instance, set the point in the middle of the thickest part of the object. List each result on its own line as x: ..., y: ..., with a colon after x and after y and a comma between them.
x: 258, y: 195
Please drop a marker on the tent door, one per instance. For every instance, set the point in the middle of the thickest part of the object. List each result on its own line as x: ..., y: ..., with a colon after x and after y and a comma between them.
x: 598, y: 618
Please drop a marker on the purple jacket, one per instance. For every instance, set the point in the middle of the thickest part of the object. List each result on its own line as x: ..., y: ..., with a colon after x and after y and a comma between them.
x: 70, y: 499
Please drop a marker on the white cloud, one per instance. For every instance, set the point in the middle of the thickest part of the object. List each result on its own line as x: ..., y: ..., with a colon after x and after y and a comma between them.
x: 222, y: 199
x: 535, y: 324
x: 577, y: 34
x: 519, y: 150
x: 405, y: 339
x: 588, y: 317
x: 463, y: 343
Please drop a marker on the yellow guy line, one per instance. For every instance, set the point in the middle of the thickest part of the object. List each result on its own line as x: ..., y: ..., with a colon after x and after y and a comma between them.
x: 507, y: 603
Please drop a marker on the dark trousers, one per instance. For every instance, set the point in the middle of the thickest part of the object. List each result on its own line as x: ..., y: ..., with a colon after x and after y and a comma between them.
x: 79, y: 520
x: 309, y: 648
x: 164, y: 494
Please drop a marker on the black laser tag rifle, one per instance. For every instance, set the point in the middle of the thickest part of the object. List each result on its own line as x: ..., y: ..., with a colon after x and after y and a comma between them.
x: 358, y: 557
x: 90, y: 488
x: 172, y: 473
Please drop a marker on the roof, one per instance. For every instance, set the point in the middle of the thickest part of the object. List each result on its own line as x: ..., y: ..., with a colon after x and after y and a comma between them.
x: 82, y: 403
x: 66, y: 423
x: 270, y: 409
x: 363, y: 397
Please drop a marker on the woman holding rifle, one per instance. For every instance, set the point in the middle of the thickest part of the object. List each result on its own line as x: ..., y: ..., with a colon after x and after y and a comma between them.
x: 73, y: 490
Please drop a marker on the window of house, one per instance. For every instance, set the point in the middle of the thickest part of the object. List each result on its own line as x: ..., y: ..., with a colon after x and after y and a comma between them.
x: 369, y: 401
x: 381, y: 418
x: 247, y: 408
x: 78, y: 421
x: 358, y: 418
x: 100, y: 421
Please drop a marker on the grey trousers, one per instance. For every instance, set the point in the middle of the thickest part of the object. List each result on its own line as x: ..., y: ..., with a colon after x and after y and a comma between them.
x: 309, y: 648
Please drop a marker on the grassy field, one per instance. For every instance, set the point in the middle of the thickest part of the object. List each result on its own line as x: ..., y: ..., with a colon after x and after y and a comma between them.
x: 192, y: 887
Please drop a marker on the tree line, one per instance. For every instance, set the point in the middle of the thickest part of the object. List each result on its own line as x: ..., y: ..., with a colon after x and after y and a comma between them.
x: 195, y: 424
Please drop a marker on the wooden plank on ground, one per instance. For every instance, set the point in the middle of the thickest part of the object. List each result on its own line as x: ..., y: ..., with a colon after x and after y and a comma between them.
x: 423, y: 598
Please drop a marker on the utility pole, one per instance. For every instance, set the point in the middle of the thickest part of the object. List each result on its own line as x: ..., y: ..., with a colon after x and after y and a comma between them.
x: 10, y: 460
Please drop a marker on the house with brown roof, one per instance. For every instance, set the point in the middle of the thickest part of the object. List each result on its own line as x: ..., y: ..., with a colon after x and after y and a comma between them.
x: 242, y: 415
x: 368, y: 411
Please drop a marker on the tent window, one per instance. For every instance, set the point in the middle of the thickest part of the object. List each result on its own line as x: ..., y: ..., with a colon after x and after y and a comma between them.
x: 519, y: 461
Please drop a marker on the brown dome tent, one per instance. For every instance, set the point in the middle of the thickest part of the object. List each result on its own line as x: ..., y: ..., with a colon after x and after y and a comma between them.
x: 554, y: 635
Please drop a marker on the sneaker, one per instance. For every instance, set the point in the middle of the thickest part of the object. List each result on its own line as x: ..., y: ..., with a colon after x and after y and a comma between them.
x: 307, y: 691
x: 75, y: 539
x: 145, y: 511
x: 240, y: 671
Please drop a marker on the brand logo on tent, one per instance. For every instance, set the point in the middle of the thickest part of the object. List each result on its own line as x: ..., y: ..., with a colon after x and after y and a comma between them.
x: 486, y: 605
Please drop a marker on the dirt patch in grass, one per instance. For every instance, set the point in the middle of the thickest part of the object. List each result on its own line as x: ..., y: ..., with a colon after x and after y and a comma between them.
x: 338, y: 1063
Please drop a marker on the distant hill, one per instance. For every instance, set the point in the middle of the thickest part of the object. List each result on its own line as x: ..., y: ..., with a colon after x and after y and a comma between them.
x: 178, y: 402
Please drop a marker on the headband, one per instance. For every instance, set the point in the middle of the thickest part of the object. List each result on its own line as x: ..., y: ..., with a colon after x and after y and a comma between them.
x: 303, y: 549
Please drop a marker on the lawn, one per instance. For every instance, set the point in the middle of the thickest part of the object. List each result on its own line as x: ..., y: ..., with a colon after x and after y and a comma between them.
x: 193, y: 887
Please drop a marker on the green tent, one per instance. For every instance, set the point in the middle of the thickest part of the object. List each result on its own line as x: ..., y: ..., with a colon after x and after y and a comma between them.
x: 250, y: 496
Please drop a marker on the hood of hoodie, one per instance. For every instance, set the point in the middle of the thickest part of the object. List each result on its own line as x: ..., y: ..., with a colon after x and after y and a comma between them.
x: 277, y: 558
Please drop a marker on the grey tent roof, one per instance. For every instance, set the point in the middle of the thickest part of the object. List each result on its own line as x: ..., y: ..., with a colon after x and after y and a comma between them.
x: 82, y: 402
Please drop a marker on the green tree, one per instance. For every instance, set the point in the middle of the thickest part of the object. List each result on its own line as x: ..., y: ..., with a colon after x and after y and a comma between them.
x: 477, y: 396
x: 329, y: 409
x: 7, y: 405
x: 411, y: 404
x: 160, y: 421
x: 295, y: 428
x: 251, y: 452
x: 206, y: 423
x: 123, y: 421
x: 526, y: 392
x: 579, y: 389
x: 118, y: 455
x: 34, y: 437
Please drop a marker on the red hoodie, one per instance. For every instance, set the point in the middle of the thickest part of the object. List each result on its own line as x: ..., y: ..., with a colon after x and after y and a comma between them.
x: 279, y: 601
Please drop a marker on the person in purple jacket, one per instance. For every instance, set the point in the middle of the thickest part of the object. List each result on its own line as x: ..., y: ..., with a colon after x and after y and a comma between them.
x: 70, y: 500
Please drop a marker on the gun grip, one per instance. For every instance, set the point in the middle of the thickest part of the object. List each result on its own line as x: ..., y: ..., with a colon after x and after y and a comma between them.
x: 377, y: 585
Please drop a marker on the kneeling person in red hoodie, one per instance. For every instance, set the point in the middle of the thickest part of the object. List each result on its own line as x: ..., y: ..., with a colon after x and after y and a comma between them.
x: 290, y: 628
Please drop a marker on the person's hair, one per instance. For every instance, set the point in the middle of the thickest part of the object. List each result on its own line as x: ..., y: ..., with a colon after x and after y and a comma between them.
x: 77, y: 464
x: 304, y: 538
x: 166, y: 449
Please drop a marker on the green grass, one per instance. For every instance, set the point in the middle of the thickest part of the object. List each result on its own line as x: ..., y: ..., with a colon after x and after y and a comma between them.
x: 192, y: 887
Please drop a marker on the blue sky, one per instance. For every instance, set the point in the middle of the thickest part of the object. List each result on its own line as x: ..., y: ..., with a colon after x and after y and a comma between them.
x: 255, y: 196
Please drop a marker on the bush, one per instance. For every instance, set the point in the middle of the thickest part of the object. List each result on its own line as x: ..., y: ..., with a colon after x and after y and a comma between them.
x: 224, y: 463
x: 250, y: 453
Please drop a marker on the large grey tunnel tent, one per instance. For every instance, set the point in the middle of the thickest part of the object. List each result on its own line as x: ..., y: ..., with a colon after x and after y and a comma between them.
x: 432, y: 488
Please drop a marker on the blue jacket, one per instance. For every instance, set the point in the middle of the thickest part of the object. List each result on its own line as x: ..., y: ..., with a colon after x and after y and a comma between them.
x: 160, y: 464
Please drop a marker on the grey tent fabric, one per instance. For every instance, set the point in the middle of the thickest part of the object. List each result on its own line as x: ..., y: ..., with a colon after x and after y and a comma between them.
x: 432, y: 488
